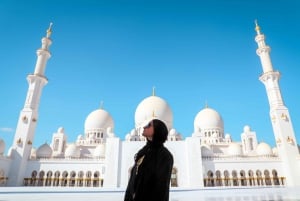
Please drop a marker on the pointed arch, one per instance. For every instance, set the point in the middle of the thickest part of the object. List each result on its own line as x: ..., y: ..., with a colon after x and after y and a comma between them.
x: 219, y: 178
x: 174, y: 177
x: 80, y: 178
x: 227, y: 178
x: 72, y: 178
x: 64, y: 179
x: 48, y: 178
x: 56, y: 178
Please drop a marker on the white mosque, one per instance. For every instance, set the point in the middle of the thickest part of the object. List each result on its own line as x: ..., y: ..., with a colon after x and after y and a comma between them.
x: 99, y: 158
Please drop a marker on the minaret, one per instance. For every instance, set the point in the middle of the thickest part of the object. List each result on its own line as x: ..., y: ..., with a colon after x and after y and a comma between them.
x: 28, y: 118
x: 279, y: 114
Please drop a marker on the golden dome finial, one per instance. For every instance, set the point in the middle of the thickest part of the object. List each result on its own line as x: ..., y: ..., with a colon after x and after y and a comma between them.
x: 49, y: 30
x: 153, y: 91
x: 206, y: 104
x: 101, y: 105
x: 257, y: 28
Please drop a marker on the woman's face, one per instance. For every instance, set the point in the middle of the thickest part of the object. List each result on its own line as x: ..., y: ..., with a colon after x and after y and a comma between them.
x: 148, y: 131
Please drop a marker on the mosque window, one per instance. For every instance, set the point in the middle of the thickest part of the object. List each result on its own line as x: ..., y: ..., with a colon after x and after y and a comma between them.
x: 64, y: 180
x: 251, y: 178
x: 267, y: 178
x: 41, y: 178
x: 209, y: 181
x: 2, y: 178
x: 235, y: 181
x: 33, y: 178
x: 243, y: 178
x: 251, y: 143
x: 96, y: 179
x: 48, y: 178
x: 259, y: 178
x: 72, y: 178
x: 174, y: 177
x: 226, y: 178
x: 88, y: 179
x: 275, y: 177
x: 56, y: 143
x: 80, y: 178
x: 56, y: 178
x: 218, y: 178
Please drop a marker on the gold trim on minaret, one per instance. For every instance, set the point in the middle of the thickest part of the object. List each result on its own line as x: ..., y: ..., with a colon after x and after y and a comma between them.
x: 153, y: 91
x: 257, y: 28
x: 101, y: 104
x: 49, y: 30
x: 206, y: 104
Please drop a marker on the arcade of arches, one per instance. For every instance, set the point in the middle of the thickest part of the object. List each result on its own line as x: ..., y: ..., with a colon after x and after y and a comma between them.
x: 257, y: 178
x: 80, y: 179
x: 93, y: 179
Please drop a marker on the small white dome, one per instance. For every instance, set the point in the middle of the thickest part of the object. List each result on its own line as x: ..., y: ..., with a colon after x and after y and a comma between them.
x: 2, y: 147
x: 227, y: 136
x: 72, y: 151
x: 98, y: 119
x: 234, y: 149
x: 99, y: 151
x: 172, y: 132
x: 80, y: 137
x: 44, y: 151
x: 60, y: 130
x: 263, y: 149
x: 247, y: 129
x: 208, y: 119
x: 206, y: 150
x: 153, y: 107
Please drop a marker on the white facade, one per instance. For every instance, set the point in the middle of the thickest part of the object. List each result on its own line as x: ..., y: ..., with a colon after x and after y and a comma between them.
x: 208, y: 158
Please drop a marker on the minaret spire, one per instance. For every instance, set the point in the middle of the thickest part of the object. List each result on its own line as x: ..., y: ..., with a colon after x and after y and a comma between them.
x: 263, y: 50
x: 257, y: 28
x: 153, y: 91
x: 280, y: 118
x: 49, y: 30
x: 29, y: 114
x: 43, y: 53
x: 101, y: 105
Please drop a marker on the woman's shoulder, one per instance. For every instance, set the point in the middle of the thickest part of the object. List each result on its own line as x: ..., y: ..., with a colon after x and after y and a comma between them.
x: 166, y: 153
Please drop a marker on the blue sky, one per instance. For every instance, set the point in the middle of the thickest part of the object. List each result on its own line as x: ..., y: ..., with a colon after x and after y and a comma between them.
x: 193, y: 52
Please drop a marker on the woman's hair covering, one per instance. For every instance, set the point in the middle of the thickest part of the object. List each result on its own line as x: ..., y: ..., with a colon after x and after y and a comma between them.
x: 160, y: 131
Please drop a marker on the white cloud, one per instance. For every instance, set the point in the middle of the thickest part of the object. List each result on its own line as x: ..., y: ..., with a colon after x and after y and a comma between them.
x: 7, y: 130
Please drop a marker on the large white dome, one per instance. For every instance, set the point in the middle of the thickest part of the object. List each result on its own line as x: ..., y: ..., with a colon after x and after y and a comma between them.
x: 263, y: 149
x: 98, y: 119
x: 72, y: 151
x: 153, y: 107
x: 234, y: 149
x: 208, y: 119
x: 44, y: 151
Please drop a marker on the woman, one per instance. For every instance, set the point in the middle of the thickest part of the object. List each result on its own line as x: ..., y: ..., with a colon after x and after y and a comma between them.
x: 151, y: 173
